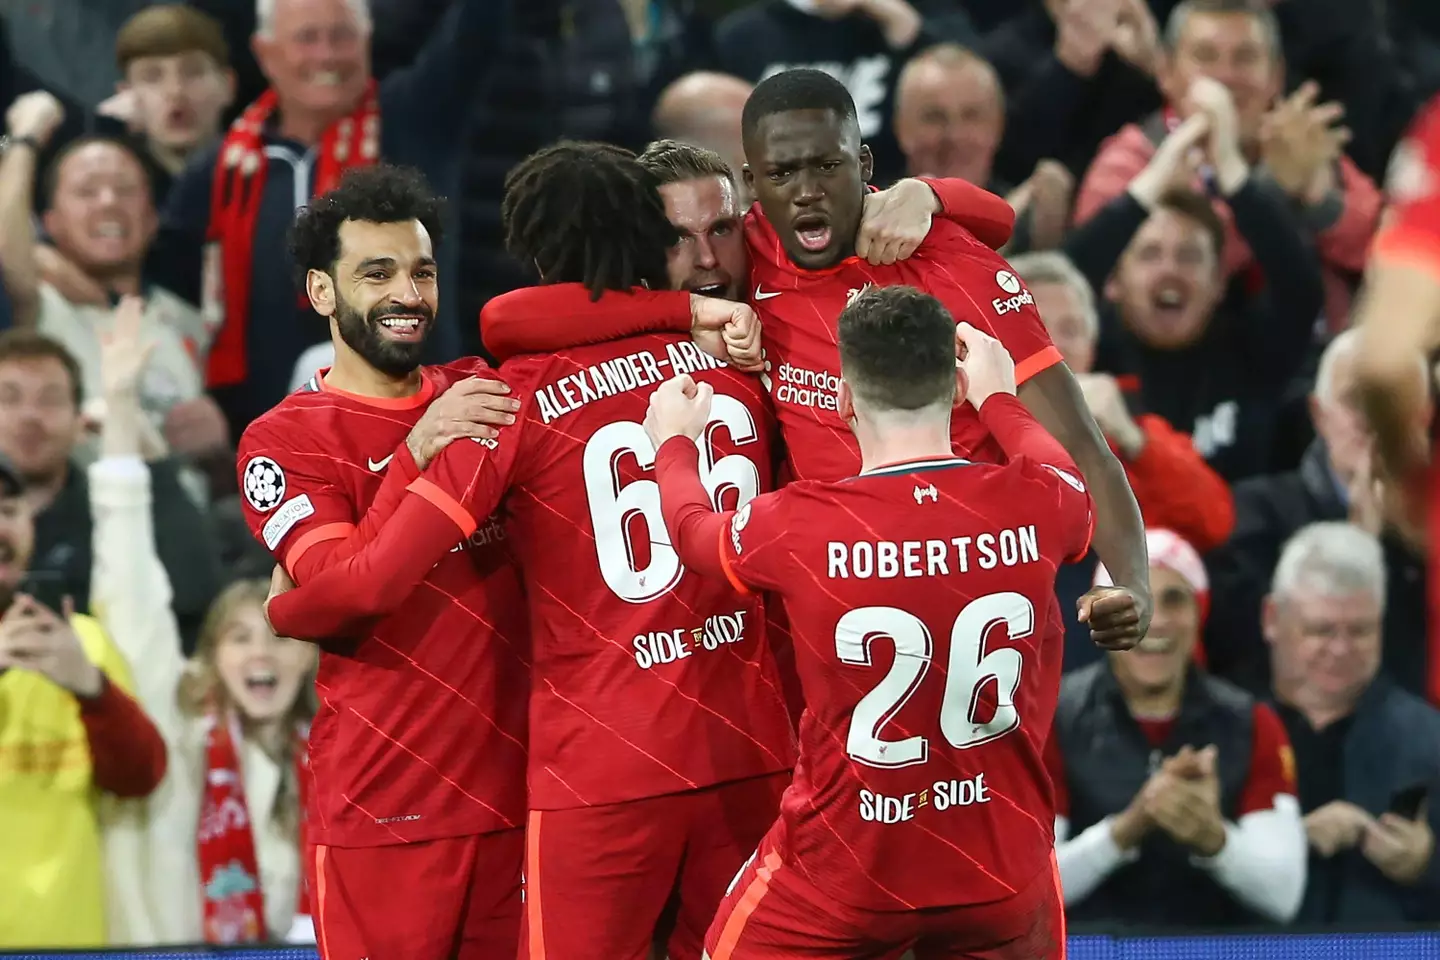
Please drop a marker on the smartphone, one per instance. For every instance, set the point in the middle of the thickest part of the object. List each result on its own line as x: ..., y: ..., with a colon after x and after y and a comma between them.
x: 1407, y: 802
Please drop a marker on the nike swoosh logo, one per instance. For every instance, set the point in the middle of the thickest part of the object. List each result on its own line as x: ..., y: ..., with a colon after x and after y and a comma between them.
x: 377, y: 465
x: 765, y: 296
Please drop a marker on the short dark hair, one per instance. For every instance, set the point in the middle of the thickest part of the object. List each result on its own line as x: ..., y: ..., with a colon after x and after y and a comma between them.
x: 588, y: 213
x: 24, y: 346
x: 803, y: 89
x: 897, y: 349
x: 672, y: 161
x: 50, y: 182
x: 1197, y: 207
x: 381, y: 193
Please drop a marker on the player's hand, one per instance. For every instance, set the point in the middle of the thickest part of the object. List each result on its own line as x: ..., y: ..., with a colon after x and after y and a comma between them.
x: 679, y: 407
x: 1118, y: 617
x: 34, y: 637
x: 474, y: 408
x: 988, y: 367
x: 280, y: 582
x: 1400, y: 848
x: 1336, y: 826
x: 726, y: 330
x: 895, y: 221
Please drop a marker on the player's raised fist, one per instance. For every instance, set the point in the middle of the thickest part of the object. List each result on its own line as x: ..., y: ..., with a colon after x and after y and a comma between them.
x: 988, y: 366
x: 726, y: 330
x: 1114, y: 615
x: 473, y: 408
x: 679, y: 407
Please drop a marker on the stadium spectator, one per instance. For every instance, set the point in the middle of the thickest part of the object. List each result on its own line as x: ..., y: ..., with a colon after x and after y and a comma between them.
x: 322, y: 114
x: 1215, y: 367
x: 70, y: 735
x: 1365, y: 750
x: 98, y: 214
x: 1175, y: 487
x: 1175, y: 791
x: 862, y: 44
x: 40, y: 424
x: 1337, y: 480
x: 1294, y: 141
x: 221, y: 856
x: 949, y: 121
x: 1075, y: 71
x: 703, y: 108
x: 175, y: 85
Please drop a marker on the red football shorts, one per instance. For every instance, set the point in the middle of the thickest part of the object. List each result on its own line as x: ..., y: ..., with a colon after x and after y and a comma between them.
x: 598, y: 879
x: 770, y: 911
x: 454, y: 899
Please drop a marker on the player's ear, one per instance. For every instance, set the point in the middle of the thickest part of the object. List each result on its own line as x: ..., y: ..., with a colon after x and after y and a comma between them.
x: 867, y: 163
x: 962, y: 385
x: 845, y: 402
x: 320, y: 288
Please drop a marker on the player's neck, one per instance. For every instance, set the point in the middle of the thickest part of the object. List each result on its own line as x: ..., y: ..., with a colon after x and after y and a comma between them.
x: 885, y: 445
x: 352, y: 374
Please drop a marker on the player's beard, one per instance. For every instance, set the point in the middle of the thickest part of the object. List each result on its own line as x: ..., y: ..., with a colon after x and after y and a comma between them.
x: 363, y: 334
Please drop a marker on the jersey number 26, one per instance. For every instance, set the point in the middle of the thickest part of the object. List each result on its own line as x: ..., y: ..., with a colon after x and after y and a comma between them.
x: 971, y: 666
x: 617, y: 512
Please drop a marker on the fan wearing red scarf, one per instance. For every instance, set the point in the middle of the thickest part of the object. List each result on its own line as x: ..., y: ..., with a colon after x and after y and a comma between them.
x: 809, y: 170
x: 417, y: 800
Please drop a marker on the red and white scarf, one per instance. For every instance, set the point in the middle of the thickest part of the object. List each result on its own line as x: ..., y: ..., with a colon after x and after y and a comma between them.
x: 232, y: 901
x: 235, y: 193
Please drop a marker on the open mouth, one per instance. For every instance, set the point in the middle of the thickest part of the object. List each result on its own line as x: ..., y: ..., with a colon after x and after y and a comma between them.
x: 112, y: 230
x: 404, y: 327
x: 262, y: 684
x: 711, y: 289
x: 1170, y: 300
x: 326, y: 78
x: 1157, y: 644
x: 813, y: 231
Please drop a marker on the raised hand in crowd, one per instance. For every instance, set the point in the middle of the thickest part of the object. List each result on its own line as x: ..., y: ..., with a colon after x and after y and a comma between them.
x: 1107, y: 405
x: 1184, y: 800
x: 33, y: 118
x: 1175, y: 164
x: 1046, y: 195
x: 125, y: 430
x: 1300, y: 142
x: 34, y: 637
x: 1213, y: 99
x: 1136, y: 38
x: 1084, y: 31
x: 1400, y: 848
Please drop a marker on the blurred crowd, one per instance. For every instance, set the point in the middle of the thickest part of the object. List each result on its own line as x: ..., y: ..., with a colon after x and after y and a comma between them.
x: 1196, y: 186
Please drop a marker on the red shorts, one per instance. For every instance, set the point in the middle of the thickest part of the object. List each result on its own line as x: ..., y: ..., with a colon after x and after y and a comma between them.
x: 457, y: 898
x: 598, y: 879
x: 770, y: 911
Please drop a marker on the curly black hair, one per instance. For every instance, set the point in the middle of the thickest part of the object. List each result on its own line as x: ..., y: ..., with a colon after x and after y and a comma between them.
x: 588, y: 213
x: 381, y: 193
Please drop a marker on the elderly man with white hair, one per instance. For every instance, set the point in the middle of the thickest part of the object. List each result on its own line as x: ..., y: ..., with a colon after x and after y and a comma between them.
x: 1336, y: 480
x: 222, y: 239
x: 1367, y: 753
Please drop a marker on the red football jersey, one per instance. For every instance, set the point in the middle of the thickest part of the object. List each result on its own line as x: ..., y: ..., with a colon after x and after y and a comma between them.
x: 929, y: 644
x: 1410, y: 233
x: 799, y: 312
x: 421, y: 728
x: 647, y: 679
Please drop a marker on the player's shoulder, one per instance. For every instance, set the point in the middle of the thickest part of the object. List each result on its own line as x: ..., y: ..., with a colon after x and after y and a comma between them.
x: 948, y: 238
x: 445, y: 374
x: 292, y: 421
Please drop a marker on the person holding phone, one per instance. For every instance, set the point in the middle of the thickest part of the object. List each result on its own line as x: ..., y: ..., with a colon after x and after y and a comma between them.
x: 69, y: 731
x: 1366, y: 751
